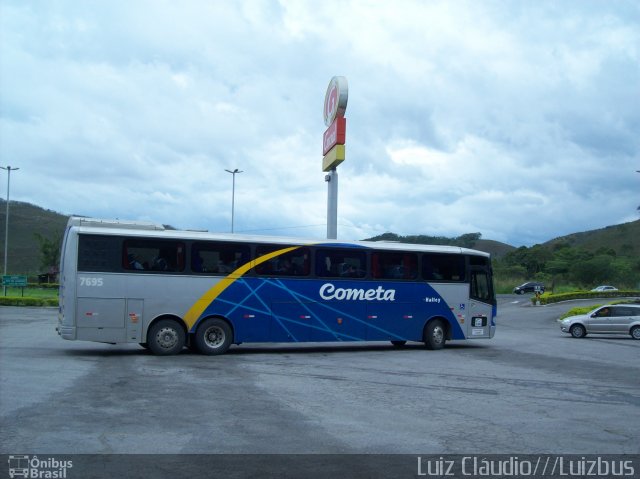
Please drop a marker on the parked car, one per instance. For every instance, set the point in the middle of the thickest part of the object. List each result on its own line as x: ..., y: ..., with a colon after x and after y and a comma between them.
x: 604, y: 288
x: 530, y: 287
x: 608, y: 319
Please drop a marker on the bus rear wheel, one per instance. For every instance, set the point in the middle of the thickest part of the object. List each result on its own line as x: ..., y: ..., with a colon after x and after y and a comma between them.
x: 214, y: 336
x: 434, y: 335
x: 166, y: 337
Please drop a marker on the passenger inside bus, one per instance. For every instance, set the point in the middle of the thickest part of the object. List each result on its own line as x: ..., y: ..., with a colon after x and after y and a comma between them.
x: 225, y: 264
x: 285, y: 267
x: 197, y: 264
x: 162, y: 262
x: 134, y: 263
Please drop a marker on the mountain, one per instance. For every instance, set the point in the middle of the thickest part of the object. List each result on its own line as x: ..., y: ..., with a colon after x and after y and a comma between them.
x: 468, y: 240
x: 26, y: 221
x: 624, y: 239
x: 496, y: 248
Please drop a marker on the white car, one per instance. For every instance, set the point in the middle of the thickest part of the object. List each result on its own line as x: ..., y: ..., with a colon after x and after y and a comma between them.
x: 604, y: 288
x: 608, y: 319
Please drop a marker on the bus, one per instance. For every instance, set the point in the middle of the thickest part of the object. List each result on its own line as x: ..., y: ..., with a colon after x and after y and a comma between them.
x: 139, y: 282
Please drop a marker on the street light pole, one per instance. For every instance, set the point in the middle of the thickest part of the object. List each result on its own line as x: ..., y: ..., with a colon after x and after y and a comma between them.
x: 233, y: 194
x: 6, y: 227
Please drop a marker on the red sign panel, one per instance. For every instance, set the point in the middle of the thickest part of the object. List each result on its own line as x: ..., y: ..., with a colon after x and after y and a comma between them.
x: 335, y: 134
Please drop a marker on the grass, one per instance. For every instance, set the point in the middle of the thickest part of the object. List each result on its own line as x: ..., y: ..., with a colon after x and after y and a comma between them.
x: 31, y: 296
x: 579, y: 310
x: 32, y: 292
x: 505, y: 285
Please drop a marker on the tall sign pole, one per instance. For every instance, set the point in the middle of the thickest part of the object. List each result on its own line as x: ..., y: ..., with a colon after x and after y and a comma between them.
x: 6, y: 227
x: 233, y: 193
x: 333, y: 145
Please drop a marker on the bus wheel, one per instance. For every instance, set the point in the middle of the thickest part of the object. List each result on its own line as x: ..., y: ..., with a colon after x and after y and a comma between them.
x: 398, y: 344
x: 214, y: 336
x: 434, y: 335
x: 166, y: 337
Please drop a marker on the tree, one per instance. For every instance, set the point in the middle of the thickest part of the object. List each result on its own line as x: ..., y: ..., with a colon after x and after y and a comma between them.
x: 532, y: 259
x: 49, y: 253
x: 468, y: 240
x: 593, y: 271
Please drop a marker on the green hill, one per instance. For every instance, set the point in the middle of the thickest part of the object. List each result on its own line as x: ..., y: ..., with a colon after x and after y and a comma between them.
x: 25, y: 222
x: 469, y: 240
x: 579, y: 261
x: 496, y: 248
x: 623, y: 239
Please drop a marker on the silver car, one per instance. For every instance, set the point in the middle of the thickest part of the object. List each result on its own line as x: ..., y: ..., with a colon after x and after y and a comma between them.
x: 608, y: 319
x: 604, y: 289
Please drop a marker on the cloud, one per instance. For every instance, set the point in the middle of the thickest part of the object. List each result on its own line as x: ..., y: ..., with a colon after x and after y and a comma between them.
x: 517, y: 120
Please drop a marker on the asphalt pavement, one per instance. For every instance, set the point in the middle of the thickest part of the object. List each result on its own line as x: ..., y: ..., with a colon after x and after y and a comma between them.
x: 531, y: 389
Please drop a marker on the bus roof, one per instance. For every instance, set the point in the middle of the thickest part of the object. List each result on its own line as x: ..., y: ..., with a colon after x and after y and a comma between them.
x: 118, y: 224
x: 152, y: 230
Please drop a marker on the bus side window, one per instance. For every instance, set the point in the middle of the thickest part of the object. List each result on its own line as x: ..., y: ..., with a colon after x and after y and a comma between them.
x: 217, y: 257
x: 153, y: 255
x: 393, y: 265
x: 443, y: 267
x: 340, y: 263
x: 293, y: 263
x: 99, y: 253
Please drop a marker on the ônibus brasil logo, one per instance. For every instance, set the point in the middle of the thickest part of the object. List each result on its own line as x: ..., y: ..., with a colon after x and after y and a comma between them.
x: 34, y: 467
x: 329, y: 291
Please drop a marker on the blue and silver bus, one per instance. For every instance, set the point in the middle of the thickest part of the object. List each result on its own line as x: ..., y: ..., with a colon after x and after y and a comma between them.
x: 135, y: 282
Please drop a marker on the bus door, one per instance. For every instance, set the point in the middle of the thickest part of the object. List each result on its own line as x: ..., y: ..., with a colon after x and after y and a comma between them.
x: 481, y: 305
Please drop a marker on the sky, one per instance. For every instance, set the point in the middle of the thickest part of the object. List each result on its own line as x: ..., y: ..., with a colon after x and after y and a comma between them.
x: 516, y: 119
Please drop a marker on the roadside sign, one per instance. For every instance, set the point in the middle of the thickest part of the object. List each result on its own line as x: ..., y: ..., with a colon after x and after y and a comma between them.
x: 14, y: 280
x: 333, y: 158
x: 335, y: 100
x: 335, y: 135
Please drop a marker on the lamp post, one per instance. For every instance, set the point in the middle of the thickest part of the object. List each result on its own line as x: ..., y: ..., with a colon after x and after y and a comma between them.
x: 233, y: 193
x: 6, y: 227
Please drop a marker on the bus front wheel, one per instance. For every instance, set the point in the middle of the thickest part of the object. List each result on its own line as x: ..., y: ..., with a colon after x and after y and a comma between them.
x: 166, y: 337
x: 214, y: 336
x: 434, y: 335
